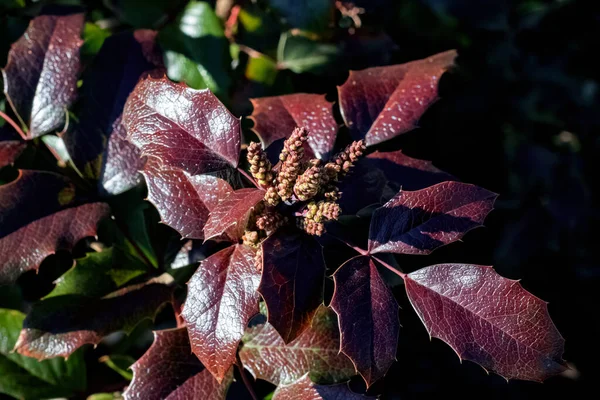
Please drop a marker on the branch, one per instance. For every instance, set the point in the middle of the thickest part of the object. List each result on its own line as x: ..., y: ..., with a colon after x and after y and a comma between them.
x: 245, y: 378
x: 14, y: 125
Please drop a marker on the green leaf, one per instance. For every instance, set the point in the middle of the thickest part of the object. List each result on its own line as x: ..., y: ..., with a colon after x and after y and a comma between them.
x: 196, y: 49
x: 28, y: 378
x: 98, y: 274
x: 120, y: 364
x: 301, y: 54
x: 10, y: 4
x: 262, y: 69
x: 104, y: 396
x: 93, y: 38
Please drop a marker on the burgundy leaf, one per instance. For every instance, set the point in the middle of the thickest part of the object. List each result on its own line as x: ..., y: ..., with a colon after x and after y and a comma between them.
x: 368, y: 317
x: 40, y: 77
x: 169, y: 370
x: 25, y: 248
x: 406, y: 172
x: 305, y: 389
x: 316, y: 351
x: 231, y: 215
x: 98, y: 142
x: 60, y: 325
x: 363, y: 187
x: 221, y: 299
x: 10, y: 147
x: 419, y: 222
x: 487, y: 319
x: 183, y: 200
x: 276, y: 117
x: 182, y: 127
x: 380, y: 103
x: 292, y: 280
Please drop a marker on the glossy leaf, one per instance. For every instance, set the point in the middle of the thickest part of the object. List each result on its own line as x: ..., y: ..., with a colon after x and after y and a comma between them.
x: 196, y: 49
x: 380, y: 103
x: 25, y: 377
x: 292, y: 281
x: 419, y: 222
x: 61, y: 230
x: 169, y: 370
x: 305, y: 389
x: 316, y: 352
x: 183, y: 200
x: 231, y: 215
x: 487, y: 319
x: 300, y: 54
x: 276, y: 117
x: 182, y: 127
x: 368, y: 317
x: 10, y: 147
x: 98, y: 274
x: 98, y: 142
x: 59, y: 325
x: 406, y: 172
x: 40, y: 77
x: 221, y: 299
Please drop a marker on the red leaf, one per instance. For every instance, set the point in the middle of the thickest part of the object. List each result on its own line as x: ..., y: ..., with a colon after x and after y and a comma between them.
x: 276, y: 117
x: 380, y: 103
x: 487, y: 319
x: 182, y: 127
x: 169, y: 370
x: 221, y: 299
x: 421, y: 221
x: 40, y: 77
x: 231, y: 215
x: 292, y: 281
x: 98, y: 142
x: 183, y: 200
x: 407, y: 172
x: 60, y: 325
x: 10, y: 147
x: 315, y: 351
x: 368, y: 316
x: 305, y: 389
x: 25, y: 248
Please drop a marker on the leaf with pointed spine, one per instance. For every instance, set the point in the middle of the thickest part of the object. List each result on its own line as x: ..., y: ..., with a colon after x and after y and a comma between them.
x: 421, y: 221
x: 292, y: 280
x: 169, y: 370
x: 221, y: 299
x: 182, y: 127
x: 61, y: 230
x: 406, y: 172
x: 183, y: 201
x: 305, y: 389
x: 368, y: 317
x: 59, y: 325
x: 316, y: 352
x: 380, y: 103
x: 231, y: 215
x: 40, y: 77
x: 487, y: 319
x: 276, y: 117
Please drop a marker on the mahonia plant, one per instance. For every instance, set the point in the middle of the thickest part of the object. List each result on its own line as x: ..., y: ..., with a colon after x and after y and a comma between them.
x: 258, y: 301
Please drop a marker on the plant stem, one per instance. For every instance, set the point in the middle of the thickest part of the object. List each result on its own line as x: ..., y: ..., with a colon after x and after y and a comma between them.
x: 245, y: 378
x: 366, y: 253
x: 247, y: 175
x: 136, y: 247
x: 14, y: 125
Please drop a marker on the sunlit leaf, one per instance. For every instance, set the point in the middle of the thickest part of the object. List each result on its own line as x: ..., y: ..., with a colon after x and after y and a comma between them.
x: 231, y: 215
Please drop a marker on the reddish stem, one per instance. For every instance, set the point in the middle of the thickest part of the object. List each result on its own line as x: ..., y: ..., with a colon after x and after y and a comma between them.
x: 366, y: 253
x: 247, y: 175
x: 245, y: 378
x: 14, y: 125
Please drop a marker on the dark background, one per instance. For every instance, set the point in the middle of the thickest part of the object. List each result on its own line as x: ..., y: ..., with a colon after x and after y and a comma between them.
x: 519, y: 116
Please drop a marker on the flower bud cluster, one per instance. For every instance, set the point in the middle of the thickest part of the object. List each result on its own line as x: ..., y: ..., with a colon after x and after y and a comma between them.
x: 260, y: 166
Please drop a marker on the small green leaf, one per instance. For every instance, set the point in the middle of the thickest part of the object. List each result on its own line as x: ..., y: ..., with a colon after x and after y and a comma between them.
x: 196, y: 49
x: 98, y: 274
x: 93, y: 38
x: 28, y: 378
x: 301, y: 54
